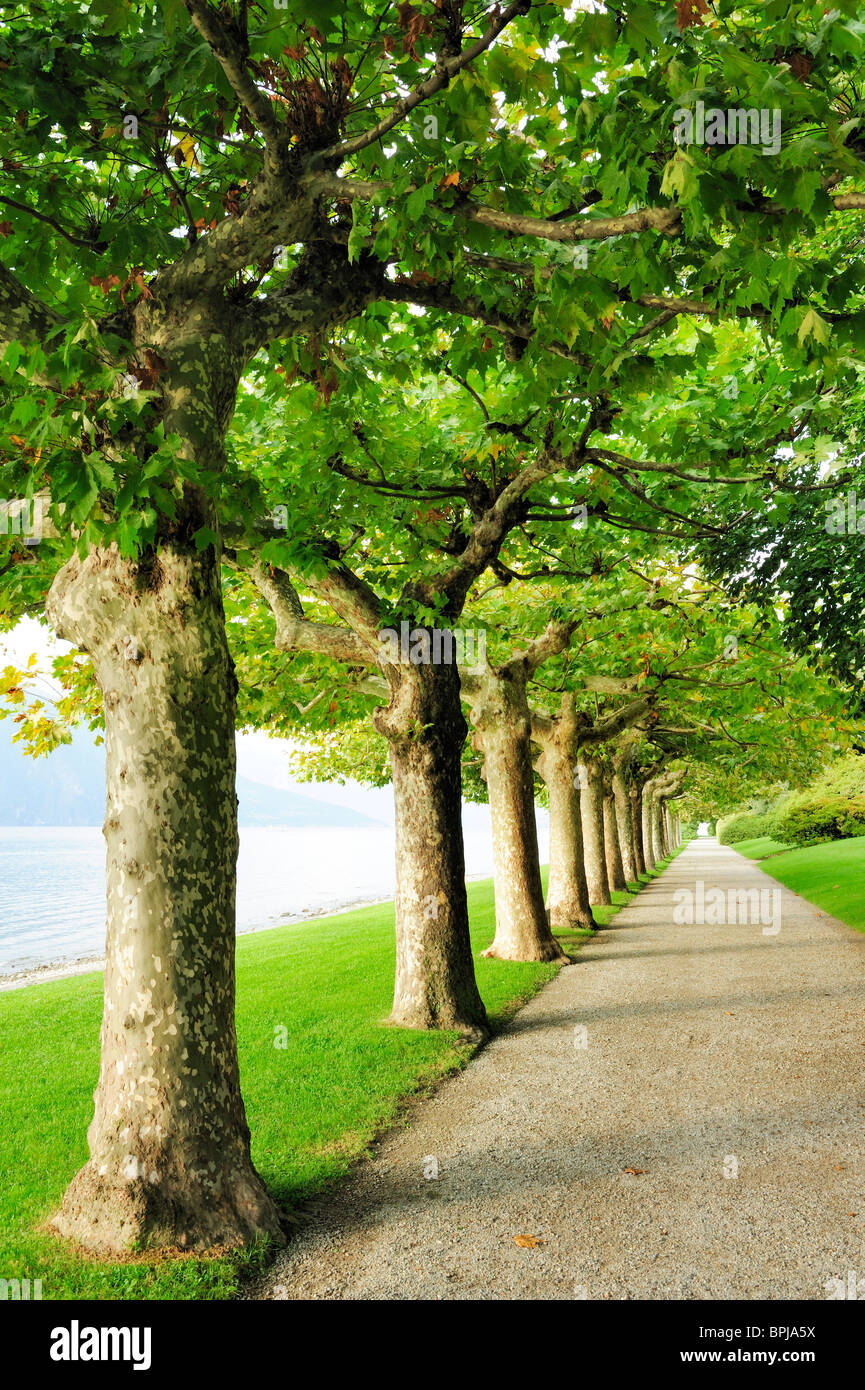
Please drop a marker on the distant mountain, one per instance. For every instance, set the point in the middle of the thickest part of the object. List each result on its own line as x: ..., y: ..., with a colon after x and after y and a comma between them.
x: 263, y: 805
x: 68, y: 788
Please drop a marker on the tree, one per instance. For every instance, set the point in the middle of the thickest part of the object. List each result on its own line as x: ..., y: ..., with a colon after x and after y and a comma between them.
x: 209, y: 184
x: 502, y: 724
x: 563, y: 739
x: 161, y: 286
x: 423, y: 721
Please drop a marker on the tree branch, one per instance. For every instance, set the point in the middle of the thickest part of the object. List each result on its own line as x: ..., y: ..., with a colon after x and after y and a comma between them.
x: 554, y: 639
x: 650, y: 466
x: 87, y: 242
x: 318, y: 294
x: 229, y: 46
x: 23, y: 317
x: 438, y: 297
x: 446, y: 68
x: 666, y: 220
x: 294, y: 631
x: 609, y: 725
x: 490, y: 531
x: 355, y: 602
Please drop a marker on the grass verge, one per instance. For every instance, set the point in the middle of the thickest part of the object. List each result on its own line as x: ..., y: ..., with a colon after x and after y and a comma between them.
x: 314, y: 1105
x: 762, y: 848
x: 828, y: 875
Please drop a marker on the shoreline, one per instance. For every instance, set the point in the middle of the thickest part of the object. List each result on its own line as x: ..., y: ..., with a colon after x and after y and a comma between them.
x: 84, y: 965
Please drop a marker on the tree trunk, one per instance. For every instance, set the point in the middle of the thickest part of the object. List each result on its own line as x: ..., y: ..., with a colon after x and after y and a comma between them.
x: 169, y: 1145
x: 625, y: 823
x: 567, y: 891
x: 500, y: 714
x: 648, y: 815
x: 657, y: 822
x: 592, y: 811
x: 635, y: 795
x: 615, y: 870
x: 435, y: 983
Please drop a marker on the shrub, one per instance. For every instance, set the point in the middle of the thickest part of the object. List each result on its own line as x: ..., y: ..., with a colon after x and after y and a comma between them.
x: 747, y: 826
x: 844, y: 777
x: 813, y: 818
x: 775, y: 815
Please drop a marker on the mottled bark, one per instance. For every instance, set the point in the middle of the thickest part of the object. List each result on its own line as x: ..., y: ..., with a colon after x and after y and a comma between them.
x: 571, y: 734
x: 648, y: 814
x: 657, y: 829
x: 615, y: 870
x: 500, y: 715
x: 635, y: 795
x: 625, y: 825
x: 592, y: 813
x: 169, y: 1145
x: 435, y: 984
x: 567, y: 891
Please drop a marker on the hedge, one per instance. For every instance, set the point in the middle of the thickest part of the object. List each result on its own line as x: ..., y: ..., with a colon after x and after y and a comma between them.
x: 747, y: 826
x: 810, y: 819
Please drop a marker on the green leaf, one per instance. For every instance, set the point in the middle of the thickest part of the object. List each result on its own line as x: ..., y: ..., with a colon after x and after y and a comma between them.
x: 204, y: 537
x: 680, y: 178
x: 813, y: 326
x: 418, y: 200
x: 361, y: 226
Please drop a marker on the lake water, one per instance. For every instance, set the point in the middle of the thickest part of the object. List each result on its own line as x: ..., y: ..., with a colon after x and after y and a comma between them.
x: 52, y: 882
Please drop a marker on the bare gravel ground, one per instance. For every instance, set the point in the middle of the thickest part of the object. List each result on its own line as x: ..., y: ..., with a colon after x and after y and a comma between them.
x: 709, y: 1051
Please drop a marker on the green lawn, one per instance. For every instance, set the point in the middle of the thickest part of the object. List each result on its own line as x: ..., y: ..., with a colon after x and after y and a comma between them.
x: 829, y: 876
x: 761, y: 848
x: 313, y: 1107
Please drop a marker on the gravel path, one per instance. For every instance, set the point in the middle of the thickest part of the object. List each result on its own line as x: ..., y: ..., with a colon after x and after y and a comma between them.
x: 709, y: 1050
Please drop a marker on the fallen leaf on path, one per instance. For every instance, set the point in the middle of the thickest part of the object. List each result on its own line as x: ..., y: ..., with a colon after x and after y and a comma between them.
x: 528, y: 1242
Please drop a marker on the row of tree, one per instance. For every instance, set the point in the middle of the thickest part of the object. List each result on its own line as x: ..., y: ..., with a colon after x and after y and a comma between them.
x: 428, y: 287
